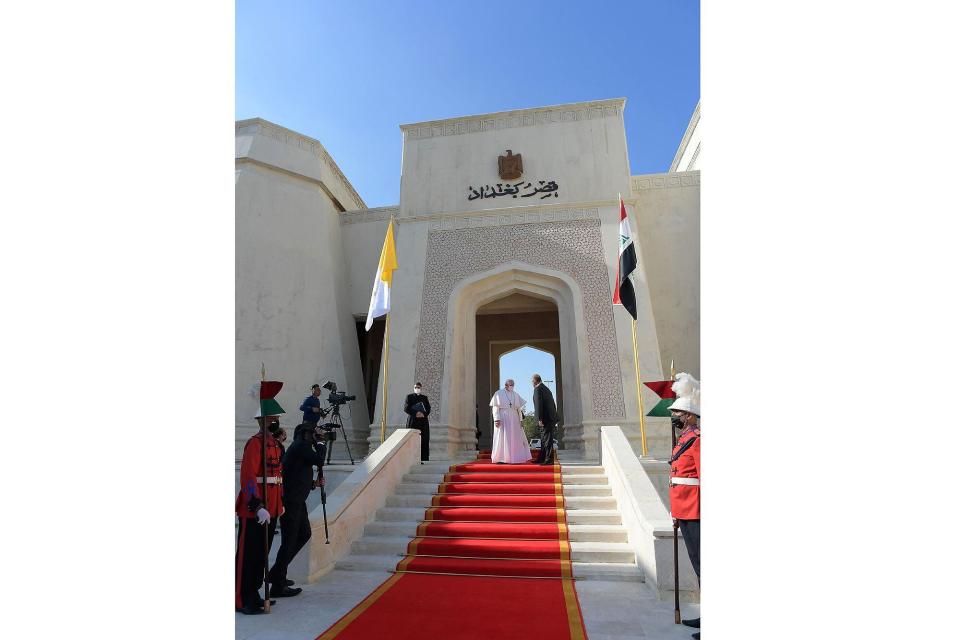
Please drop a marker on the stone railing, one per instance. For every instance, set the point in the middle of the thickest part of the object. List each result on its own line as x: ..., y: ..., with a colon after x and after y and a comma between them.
x: 648, y: 523
x: 354, y: 503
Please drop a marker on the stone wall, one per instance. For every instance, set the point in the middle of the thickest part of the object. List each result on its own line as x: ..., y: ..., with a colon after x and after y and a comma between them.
x: 667, y: 215
x: 291, y: 282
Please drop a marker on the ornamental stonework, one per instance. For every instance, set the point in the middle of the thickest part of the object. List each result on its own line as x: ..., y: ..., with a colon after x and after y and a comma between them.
x: 572, y: 247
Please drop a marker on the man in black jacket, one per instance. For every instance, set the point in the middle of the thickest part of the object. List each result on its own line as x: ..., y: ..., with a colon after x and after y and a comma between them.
x: 417, y: 408
x: 546, y: 411
x: 301, y: 457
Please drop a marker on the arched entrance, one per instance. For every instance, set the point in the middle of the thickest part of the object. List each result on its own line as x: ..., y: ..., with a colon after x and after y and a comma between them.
x: 503, y: 331
x: 517, y: 286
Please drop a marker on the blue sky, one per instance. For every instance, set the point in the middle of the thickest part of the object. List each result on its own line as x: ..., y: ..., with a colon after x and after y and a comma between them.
x: 348, y: 73
x: 521, y: 365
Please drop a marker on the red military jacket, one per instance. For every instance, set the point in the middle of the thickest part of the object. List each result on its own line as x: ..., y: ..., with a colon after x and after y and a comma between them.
x: 685, y: 499
x: 251, y: 490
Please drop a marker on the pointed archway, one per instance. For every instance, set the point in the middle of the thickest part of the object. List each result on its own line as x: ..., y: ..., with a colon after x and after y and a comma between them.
x: 506, y: 325
x: 459, y: 385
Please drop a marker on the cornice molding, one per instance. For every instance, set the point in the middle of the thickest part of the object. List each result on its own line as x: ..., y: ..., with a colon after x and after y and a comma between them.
x: 487, y: 217
x: 694, y: 119
x: 294, y: 139
x: 528, y: 215
x: 665, y: 181
x: 593, y: 110
x: 272, y: 167
x: 377, y: 214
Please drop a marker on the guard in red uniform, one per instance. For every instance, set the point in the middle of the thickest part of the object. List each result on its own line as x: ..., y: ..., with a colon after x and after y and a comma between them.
x: 685, y: 470
x: 258, y: 517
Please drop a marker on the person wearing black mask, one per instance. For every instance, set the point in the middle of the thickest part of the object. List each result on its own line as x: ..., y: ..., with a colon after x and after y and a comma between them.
x: 305, y: 453
x: 685, y: 470
x: 417, y: 408
x: 257, y: 513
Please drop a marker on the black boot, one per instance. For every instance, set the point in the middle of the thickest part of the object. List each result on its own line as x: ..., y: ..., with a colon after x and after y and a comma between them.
x: 694, y: 622
x: 250, y: 610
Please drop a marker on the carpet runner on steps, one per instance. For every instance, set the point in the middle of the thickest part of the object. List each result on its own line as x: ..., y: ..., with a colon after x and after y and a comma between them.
x: 467, y: 571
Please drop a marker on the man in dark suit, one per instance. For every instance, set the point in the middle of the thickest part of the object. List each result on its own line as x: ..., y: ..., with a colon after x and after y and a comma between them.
x: 417, y: 408
x: 545, y: 409
x: 306, y: 452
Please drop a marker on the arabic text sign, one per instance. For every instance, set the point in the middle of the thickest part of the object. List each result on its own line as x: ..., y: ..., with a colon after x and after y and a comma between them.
x: 520, y: 189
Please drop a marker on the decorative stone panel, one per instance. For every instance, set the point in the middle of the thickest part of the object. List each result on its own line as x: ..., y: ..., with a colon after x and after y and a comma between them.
x: 572, y: 247
x: 665, y: 181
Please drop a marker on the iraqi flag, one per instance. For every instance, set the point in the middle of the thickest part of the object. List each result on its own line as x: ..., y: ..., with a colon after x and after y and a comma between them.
x: 383, y: 279
x: 623, y: 291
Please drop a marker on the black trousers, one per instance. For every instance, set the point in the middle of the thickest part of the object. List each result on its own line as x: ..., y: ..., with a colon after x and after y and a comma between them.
x: 251, y: 558
x: 547, y: 437
x: 691, y: 537
x: 294, y: 533
x: 424, y: 430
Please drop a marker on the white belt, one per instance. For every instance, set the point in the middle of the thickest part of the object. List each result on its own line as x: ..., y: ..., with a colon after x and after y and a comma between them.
x: 271, y: 480
x: 690, y: 482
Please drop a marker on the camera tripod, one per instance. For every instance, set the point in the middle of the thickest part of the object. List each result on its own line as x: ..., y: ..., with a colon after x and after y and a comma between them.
x: 336, y: 423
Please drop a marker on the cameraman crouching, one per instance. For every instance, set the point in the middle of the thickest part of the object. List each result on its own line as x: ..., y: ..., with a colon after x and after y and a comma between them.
x: 305, y: 453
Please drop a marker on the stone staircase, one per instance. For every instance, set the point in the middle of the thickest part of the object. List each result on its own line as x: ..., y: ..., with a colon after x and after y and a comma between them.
x: 598, y: 540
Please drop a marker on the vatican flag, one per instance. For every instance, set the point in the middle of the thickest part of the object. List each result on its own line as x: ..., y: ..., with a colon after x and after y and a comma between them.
x: 383, y: 279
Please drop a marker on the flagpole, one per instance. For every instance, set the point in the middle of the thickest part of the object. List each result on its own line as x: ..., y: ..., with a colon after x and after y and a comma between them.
x: 266, y: 504
x: 386, y: 365
x: 673, y: 433
x: 636, y: 366
x: 676, y: 556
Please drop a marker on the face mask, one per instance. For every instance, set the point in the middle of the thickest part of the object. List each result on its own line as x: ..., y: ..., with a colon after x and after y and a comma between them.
x: 416, y: 390
x: 677, y: 423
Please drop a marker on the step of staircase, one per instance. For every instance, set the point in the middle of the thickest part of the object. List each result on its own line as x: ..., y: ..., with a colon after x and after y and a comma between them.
x: 573, y: 502
x: 570, y: 489
x: 576, y: 532
x: 574, y: 516
x: 619, y: 572
x: 589, y: 552
x: 434, y: 479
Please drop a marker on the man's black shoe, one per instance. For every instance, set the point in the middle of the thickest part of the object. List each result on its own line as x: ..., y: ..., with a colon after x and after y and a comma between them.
x: 693, y: 622
x: 286, y: 592
x: 695, y: 636
x: 250, y: 611
x: 290, y: 582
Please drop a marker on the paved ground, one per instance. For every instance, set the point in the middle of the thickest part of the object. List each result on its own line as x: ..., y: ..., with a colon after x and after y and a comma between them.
x: 610, y: 610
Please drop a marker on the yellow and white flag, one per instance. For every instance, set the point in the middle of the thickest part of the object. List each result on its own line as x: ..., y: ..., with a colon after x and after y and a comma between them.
x: 383, y: 279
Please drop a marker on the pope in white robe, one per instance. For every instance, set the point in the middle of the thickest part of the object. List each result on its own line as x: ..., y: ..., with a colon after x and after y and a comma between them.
x: 510, y: 443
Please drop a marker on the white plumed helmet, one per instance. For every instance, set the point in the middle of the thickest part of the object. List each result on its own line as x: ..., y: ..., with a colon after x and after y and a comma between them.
x: 687, y: 389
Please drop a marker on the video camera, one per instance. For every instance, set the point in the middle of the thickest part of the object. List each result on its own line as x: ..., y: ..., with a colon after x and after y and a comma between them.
x: 336, y: 398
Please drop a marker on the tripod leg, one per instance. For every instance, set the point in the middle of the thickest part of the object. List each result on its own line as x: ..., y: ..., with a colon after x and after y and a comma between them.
x: 346, y: 444
x: 329, y: 450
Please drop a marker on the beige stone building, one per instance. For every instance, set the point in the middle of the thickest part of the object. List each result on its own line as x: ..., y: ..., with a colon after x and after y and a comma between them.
x: 486, y: 264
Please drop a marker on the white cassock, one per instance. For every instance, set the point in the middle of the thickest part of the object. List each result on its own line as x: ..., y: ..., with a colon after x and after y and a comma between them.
x: 509, y: 441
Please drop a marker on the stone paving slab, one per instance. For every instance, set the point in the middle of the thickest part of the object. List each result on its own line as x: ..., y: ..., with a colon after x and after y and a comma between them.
x: 610, y: 610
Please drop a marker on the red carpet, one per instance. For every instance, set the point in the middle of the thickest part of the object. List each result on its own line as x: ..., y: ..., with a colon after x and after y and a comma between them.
x: 490, y: 529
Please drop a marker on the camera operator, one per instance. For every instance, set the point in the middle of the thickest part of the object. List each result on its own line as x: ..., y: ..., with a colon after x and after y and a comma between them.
x: 306, y: 452
x: 311, y: 406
